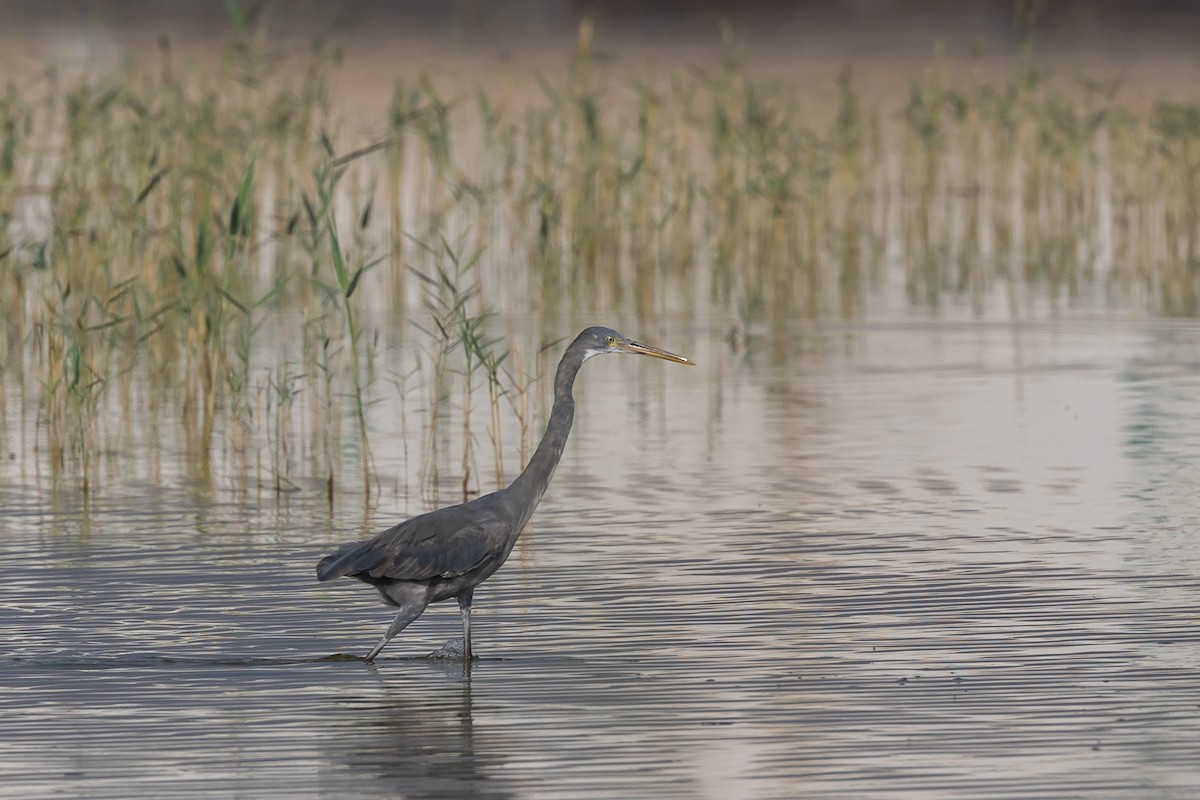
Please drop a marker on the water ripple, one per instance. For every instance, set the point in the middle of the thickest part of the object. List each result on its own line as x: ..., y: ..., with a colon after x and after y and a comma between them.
x: 916, y: 583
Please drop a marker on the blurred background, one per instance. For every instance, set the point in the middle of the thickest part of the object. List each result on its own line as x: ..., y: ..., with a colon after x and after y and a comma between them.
x: 1121, y: 26
x: 1145, y: 49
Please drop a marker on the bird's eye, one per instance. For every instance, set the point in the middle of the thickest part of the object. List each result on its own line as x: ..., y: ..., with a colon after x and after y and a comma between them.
x: 611, y: 340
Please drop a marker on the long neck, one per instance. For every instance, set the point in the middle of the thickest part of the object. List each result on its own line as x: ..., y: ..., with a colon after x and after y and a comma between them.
x: 527, y: 490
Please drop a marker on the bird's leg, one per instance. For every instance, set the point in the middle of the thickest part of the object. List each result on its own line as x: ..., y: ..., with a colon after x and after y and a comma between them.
x: 464, y: 605
x: 408, y: 612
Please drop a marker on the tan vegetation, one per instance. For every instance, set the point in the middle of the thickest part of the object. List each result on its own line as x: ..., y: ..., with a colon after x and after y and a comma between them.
x: 217, y: 249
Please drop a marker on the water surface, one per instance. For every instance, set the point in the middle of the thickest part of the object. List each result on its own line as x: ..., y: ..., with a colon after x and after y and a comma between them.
x: 921, y: 559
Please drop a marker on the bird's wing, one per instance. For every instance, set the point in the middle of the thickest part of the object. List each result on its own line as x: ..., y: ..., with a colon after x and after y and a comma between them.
x: 443, y: 543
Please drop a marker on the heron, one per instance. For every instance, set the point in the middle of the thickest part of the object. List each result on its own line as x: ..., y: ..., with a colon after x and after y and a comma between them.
x: 448, y: 552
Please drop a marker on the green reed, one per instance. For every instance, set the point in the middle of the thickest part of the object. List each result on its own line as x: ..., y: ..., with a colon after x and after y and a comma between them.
x: 347, y: 273
x: 460, y: 351
x: 166, y: 230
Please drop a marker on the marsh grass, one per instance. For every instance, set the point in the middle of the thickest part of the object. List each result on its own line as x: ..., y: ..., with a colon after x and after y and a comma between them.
x: 462, y: 354
x: 166, y: 233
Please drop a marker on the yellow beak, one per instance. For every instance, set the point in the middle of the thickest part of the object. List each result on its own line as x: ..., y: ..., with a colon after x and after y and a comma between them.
x: 630, y: 346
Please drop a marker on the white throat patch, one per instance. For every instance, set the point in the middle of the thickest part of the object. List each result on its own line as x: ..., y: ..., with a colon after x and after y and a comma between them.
x: 590, y: 352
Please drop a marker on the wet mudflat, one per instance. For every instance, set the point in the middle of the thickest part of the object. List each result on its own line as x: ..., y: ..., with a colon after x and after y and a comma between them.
x: 873, y: 560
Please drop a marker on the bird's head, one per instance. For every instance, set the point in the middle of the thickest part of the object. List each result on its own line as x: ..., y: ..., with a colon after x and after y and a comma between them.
x: 598, y: 341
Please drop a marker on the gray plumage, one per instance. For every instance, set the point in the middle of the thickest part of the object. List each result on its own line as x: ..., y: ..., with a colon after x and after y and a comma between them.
x: 448, y: 552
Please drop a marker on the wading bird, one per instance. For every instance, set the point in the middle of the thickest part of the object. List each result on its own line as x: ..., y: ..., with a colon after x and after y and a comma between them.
x: 448, y: 552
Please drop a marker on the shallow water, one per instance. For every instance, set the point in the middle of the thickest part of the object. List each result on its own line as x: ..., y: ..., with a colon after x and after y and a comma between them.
x: 872, y: 560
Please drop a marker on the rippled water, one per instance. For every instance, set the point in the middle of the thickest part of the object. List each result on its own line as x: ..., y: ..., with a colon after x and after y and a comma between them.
x: 916, y: 560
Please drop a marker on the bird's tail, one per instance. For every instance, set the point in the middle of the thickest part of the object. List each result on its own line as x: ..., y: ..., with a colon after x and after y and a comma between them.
x: 340, y: 562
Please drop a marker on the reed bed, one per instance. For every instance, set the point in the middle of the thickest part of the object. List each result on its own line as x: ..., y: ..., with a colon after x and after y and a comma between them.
x: 214, y: 257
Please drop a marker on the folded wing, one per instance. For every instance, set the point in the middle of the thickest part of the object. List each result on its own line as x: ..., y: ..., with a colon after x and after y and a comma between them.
x: 444, y: 543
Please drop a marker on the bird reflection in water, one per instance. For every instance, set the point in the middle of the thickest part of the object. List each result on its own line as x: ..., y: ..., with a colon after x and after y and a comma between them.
x: 417, y: 736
